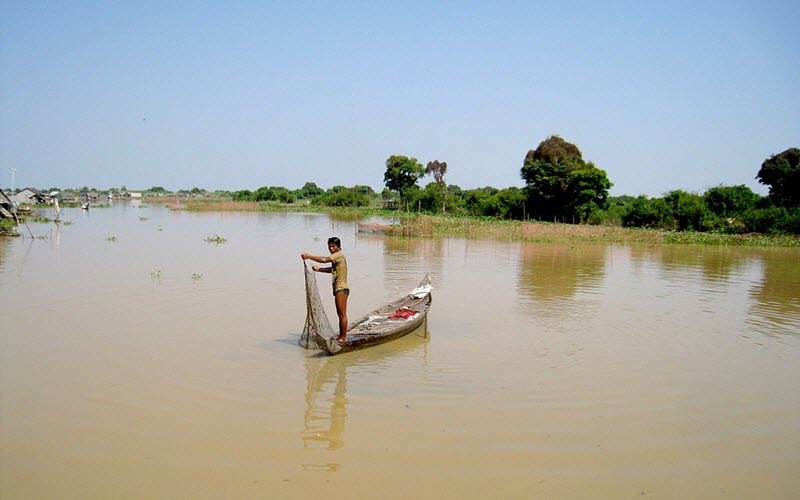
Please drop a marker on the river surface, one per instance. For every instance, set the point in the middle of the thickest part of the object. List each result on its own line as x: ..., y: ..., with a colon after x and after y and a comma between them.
x: 138, y: 360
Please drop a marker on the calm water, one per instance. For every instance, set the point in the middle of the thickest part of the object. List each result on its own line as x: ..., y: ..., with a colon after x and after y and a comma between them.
x: 139, y: 361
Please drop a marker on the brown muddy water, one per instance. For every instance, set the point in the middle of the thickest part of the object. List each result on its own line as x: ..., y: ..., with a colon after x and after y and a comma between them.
x: 138, y: 360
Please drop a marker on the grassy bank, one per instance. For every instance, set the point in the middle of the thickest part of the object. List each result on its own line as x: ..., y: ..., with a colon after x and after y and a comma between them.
x: 416, y: 225
x: 424, y: 225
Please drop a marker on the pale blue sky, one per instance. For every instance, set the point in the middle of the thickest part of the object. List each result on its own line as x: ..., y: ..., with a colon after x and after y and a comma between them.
x: 221, y: 95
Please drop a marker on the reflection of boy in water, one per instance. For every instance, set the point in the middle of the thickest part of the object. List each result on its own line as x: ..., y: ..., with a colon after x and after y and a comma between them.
x: 338, y: 270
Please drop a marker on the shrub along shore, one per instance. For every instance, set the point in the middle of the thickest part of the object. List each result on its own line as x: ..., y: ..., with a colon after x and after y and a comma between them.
x: 423, y: 225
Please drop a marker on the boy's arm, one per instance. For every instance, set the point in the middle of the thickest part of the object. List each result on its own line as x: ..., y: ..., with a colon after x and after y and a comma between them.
x: 319, y: 259
x: 316, y: 258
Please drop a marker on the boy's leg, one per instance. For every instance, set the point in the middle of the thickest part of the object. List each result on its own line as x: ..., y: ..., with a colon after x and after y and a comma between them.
x: 341, y: 310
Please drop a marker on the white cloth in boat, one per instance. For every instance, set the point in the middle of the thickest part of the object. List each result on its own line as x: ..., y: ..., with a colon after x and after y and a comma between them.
x: 420, y: 291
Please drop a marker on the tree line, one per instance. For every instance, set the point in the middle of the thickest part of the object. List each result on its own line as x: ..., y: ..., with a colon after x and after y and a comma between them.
x: 560, y: 186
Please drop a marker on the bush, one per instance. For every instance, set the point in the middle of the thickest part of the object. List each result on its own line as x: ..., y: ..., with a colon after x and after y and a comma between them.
x: 730, y: 201
x: 243, y: 195
x: 647, y: 213
x: 340, y: 196
x: 772, y: 220
x: 279, y: 194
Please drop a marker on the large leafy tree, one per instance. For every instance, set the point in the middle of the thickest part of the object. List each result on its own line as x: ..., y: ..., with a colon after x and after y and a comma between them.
x: 781, y: 173
x: 560, y: 184
x: 402, y: 172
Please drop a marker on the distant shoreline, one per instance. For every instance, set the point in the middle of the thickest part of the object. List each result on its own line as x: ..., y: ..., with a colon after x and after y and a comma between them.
x: 423, y: 225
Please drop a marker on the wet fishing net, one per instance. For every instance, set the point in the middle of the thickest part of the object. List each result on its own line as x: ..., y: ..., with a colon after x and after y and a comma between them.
x: 317, y: 324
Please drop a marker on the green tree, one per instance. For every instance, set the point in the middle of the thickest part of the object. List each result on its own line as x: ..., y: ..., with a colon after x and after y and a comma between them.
x: 243, y: 195
x: 340, y: 196
x: 644, y: 212
x: 264, y: 193
x: 479, y: 201
x: 781, y: 173
x: 560, y: 184
x: 688, y: 210
x: 273, y: 193
x: 730, y: 201
x: 309, y: 191
x: 587, y: 188
x: 455, y: 199
x: 282, y: 194
x: 157, y: 189
x: 428, y: 199
x: 438, y: 169
x: 365, y: 190
x: 773, y: 219
x: 509, y: 203
x: 402, y: 173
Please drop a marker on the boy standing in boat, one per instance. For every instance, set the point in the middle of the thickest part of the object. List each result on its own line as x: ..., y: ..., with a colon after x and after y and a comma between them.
x: 338, y: 271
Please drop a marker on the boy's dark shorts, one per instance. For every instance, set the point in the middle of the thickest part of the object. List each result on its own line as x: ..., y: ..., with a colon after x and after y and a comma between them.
x: 345, y: 291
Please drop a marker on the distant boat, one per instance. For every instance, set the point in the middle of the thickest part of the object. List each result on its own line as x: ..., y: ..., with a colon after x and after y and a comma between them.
x: 85, y: 206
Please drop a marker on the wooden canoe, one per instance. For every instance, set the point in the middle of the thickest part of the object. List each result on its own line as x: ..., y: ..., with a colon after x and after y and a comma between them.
x: 383, y: 324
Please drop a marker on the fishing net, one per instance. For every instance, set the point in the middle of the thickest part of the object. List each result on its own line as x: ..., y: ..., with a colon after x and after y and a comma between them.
x: 317, y: 324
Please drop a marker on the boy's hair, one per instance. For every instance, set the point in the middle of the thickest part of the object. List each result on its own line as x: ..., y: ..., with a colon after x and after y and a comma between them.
x: 335, y: 241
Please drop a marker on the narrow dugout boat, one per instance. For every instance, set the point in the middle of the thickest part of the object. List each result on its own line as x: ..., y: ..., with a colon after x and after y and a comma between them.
x: 384, y: 324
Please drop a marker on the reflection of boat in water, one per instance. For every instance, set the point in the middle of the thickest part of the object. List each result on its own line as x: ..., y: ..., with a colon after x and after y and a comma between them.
x: 384, y: 324
x: 326, y: 408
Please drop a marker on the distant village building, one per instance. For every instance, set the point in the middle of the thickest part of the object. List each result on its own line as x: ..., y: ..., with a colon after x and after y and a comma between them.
x: 68, y: 198
x: 30, y: 196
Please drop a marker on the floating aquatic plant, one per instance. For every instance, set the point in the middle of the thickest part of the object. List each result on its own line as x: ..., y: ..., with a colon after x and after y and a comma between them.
x: 111, y: 238
x: 216, y: 239
x: 156, y: 275
x: 197, y: 276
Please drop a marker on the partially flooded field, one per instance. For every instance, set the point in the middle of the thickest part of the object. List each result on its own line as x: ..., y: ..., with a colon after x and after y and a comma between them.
x: 148, y: 352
